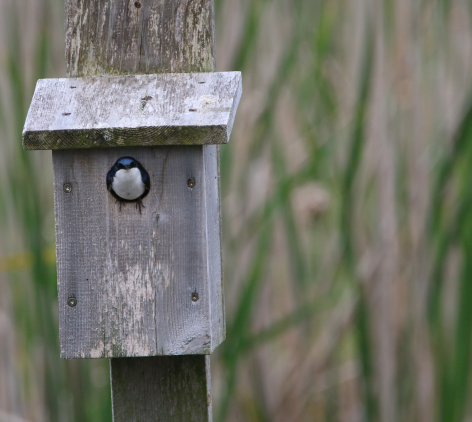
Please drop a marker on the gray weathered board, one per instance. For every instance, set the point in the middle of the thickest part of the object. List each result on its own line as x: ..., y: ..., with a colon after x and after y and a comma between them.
x: 168, y: 388
x: 133, y: 110
x: 122, y: 37
x: 134, y: 275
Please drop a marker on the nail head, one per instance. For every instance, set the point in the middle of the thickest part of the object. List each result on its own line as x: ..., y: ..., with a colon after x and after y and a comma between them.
x: 191, y: 182
x: 67, y: 188
x: 72, y: 301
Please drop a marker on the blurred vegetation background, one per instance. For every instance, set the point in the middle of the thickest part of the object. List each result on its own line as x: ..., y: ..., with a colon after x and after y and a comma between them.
x: 347, y: 212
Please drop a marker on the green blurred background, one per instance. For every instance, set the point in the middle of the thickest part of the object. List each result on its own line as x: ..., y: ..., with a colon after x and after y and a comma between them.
x: 347, y: 213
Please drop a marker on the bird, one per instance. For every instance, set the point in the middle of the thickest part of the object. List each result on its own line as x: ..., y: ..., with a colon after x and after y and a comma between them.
x: 128, y: 181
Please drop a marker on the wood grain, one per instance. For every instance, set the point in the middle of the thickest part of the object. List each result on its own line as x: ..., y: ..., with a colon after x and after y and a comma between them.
x: 132, y: 274
x: 165, y: 389
x: 117, y: 37
x: 213, y: 236
x: 133, y: 110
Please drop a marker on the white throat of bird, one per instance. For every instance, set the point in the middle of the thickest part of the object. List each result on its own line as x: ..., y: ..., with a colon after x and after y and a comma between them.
x: 128, y: 184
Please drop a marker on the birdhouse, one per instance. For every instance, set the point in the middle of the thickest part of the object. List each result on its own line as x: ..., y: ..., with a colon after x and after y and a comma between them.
x: 138, y: 240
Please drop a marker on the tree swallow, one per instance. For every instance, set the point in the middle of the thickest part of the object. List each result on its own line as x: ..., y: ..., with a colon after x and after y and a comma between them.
x: 128, y: 181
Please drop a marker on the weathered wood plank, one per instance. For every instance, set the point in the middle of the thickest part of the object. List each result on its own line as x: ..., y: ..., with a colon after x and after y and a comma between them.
x: 133, y: 110
x: 116, y: 37
x: 133, y: 275
x: 213, y: 245
x: 164, y: 389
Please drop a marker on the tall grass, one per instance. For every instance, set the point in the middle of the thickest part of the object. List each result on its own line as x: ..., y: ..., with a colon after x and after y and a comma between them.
x: 346, y: 211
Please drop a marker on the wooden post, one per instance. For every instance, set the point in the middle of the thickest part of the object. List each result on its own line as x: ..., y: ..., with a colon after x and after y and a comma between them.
x: 143, y: 289
x: 164, y: 388
x: 120, y: 37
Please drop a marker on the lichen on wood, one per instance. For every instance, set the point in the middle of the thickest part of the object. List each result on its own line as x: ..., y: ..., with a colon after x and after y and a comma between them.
x: 133, y: 110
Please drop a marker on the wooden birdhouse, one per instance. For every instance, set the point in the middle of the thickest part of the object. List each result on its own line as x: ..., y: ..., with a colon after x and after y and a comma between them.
x: 137, y: 282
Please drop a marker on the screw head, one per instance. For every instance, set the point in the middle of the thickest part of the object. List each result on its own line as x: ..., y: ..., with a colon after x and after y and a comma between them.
x: 194, y: 296
x: 67, y: 187
x: 72, y: 301
x: 191, y: 182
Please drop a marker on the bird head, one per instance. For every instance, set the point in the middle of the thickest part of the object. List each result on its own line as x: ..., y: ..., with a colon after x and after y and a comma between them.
x: 126, y: 163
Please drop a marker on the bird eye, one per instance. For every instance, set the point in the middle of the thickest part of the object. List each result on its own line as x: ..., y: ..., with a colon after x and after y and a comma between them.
x: 133, y: 164
x: 121, y: 166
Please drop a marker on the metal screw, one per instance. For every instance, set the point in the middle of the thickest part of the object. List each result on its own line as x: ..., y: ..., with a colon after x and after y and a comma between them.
x: 137, y: 4
x: 191, y: 182
x: 67, y: 188
x: 194, y: 296
x: 72, y: 301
